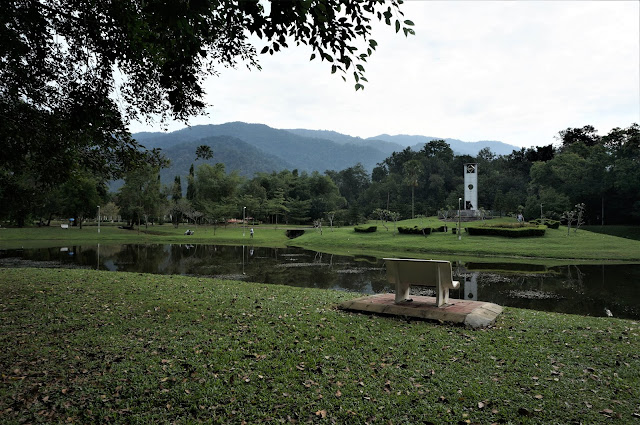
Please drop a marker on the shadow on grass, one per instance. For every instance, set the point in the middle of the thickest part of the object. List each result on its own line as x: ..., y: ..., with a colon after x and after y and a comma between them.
x: 627, y: 232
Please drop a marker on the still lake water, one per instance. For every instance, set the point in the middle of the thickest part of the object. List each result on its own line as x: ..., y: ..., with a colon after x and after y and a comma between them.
x: 594, y: 290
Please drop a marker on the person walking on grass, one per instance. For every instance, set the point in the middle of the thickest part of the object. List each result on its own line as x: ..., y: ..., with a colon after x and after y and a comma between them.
x: 251, y: 233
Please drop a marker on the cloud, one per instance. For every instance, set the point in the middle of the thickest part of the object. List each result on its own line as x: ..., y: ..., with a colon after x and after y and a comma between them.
x: 517, y: 72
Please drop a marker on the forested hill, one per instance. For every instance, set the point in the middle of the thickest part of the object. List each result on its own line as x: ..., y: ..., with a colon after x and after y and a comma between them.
x: 250, y: 148
x: 232, y: 152
x: 302, y: 153
x: 459, y: 147
x: 381, y: 145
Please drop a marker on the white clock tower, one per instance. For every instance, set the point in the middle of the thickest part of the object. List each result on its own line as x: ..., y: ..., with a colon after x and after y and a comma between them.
x: 471, y: 187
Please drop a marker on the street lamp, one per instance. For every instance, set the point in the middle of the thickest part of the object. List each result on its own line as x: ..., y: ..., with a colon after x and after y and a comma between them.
x: 541, y: 216
x: 459, y: 228
x: 244, y: 224
x: 98, y: 218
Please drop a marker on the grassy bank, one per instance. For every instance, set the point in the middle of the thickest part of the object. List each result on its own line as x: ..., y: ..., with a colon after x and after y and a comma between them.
x: 555, y: 247
x: 36, y: 237
x: 86, y: 347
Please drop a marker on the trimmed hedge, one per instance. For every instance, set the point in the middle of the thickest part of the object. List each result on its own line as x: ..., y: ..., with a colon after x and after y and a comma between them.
x: 509, y: 232
x: 294, y: 233
x: 415, y: 230
x: 439, y: 229
x: 363, y: 229
x: 551, y: 224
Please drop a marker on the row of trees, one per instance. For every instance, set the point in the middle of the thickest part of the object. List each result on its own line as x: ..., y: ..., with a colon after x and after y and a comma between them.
x: 601, y: 172
x: 75, y: 73
x: 215, y: 196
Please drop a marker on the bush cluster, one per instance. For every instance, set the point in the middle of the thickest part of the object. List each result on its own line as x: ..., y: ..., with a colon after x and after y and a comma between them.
x: 509, y: 225
x: 551, y: 224
x: 415, y: 230
x: 508, y: 231
x: 294, y: 233
x: 365, y: 229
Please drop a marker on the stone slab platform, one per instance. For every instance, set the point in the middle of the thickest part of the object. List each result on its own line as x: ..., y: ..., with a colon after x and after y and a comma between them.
x: 475, y: 314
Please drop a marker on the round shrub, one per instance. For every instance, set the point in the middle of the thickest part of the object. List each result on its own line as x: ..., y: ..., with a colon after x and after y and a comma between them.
x: 415, y: 230
x: 365, y: 229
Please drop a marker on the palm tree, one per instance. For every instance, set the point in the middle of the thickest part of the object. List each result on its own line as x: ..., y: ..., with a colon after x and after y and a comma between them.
x: 412, y: 173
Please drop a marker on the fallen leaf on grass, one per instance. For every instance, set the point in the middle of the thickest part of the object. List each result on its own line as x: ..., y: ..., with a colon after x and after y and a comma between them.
x: 321, y: 413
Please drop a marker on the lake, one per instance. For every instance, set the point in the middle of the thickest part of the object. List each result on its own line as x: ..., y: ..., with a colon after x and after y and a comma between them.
x: 594, y: 290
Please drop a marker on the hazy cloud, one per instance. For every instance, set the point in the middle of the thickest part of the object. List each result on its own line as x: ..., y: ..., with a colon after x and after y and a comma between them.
x: 517, y: 72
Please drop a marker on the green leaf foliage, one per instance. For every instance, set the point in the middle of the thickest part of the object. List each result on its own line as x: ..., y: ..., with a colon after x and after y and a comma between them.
x: 365, y: 229
x: 415, y: 230
x: 516, y: 231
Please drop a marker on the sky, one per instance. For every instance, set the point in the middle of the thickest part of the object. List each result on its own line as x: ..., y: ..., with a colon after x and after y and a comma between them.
x: 513, y: 71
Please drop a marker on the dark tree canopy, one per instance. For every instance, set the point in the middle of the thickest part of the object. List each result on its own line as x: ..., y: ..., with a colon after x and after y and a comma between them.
x: 73, y: 73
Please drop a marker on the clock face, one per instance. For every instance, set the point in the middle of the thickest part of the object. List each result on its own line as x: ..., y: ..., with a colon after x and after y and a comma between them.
x: 471, y: 168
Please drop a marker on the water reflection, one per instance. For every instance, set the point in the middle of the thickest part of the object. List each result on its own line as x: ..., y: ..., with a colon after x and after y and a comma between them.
x: 585, y: 289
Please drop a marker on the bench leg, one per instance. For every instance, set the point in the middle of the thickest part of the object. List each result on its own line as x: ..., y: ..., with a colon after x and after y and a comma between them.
x: 402, y: 292
x: 442, y: 295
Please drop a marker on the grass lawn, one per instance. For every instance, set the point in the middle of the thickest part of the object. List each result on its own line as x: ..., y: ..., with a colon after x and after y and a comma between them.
x: 81, y: 346
x: 629, y: 232
x: 36, y: 237
x: 556, y: 247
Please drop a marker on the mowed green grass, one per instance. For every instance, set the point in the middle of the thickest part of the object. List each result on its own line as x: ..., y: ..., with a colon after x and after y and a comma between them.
x: 82, y: 346
x: 35, y: 237
x: 556, y: 246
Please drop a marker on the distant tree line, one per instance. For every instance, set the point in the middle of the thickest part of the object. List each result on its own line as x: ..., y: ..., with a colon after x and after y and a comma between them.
x: 601, y: 172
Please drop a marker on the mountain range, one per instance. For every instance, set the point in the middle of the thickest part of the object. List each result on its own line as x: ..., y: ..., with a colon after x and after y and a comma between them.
x: 252, y: 148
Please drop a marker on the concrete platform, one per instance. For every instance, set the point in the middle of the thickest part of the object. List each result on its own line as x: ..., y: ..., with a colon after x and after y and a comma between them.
x: 474, y: 314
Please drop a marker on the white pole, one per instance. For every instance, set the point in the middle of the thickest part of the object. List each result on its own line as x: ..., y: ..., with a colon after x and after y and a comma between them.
x: 459, y: 228
x: 98, y: 218
x: 244, y: 224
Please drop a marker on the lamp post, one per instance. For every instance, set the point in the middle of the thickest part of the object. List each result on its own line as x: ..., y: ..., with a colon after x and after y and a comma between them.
x: 459, y: 228
x: 98, y: 218
x: 244, y: 224
x: 541, y: 216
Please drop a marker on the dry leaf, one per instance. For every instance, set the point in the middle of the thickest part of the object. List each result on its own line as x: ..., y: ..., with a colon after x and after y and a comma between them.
x: 321, y: 413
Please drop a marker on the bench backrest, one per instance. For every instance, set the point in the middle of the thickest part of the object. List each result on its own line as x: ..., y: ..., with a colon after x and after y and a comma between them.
x: 419, y: 272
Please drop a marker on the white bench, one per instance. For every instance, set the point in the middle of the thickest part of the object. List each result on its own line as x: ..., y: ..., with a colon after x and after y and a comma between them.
x: 64, y: 226
x: 404, y: 272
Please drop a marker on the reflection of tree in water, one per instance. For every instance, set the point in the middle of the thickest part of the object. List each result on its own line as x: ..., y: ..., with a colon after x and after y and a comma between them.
x: 109, y: 251
x: 140, y: 258
x: 575, y: 279
x: 583, y: 289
